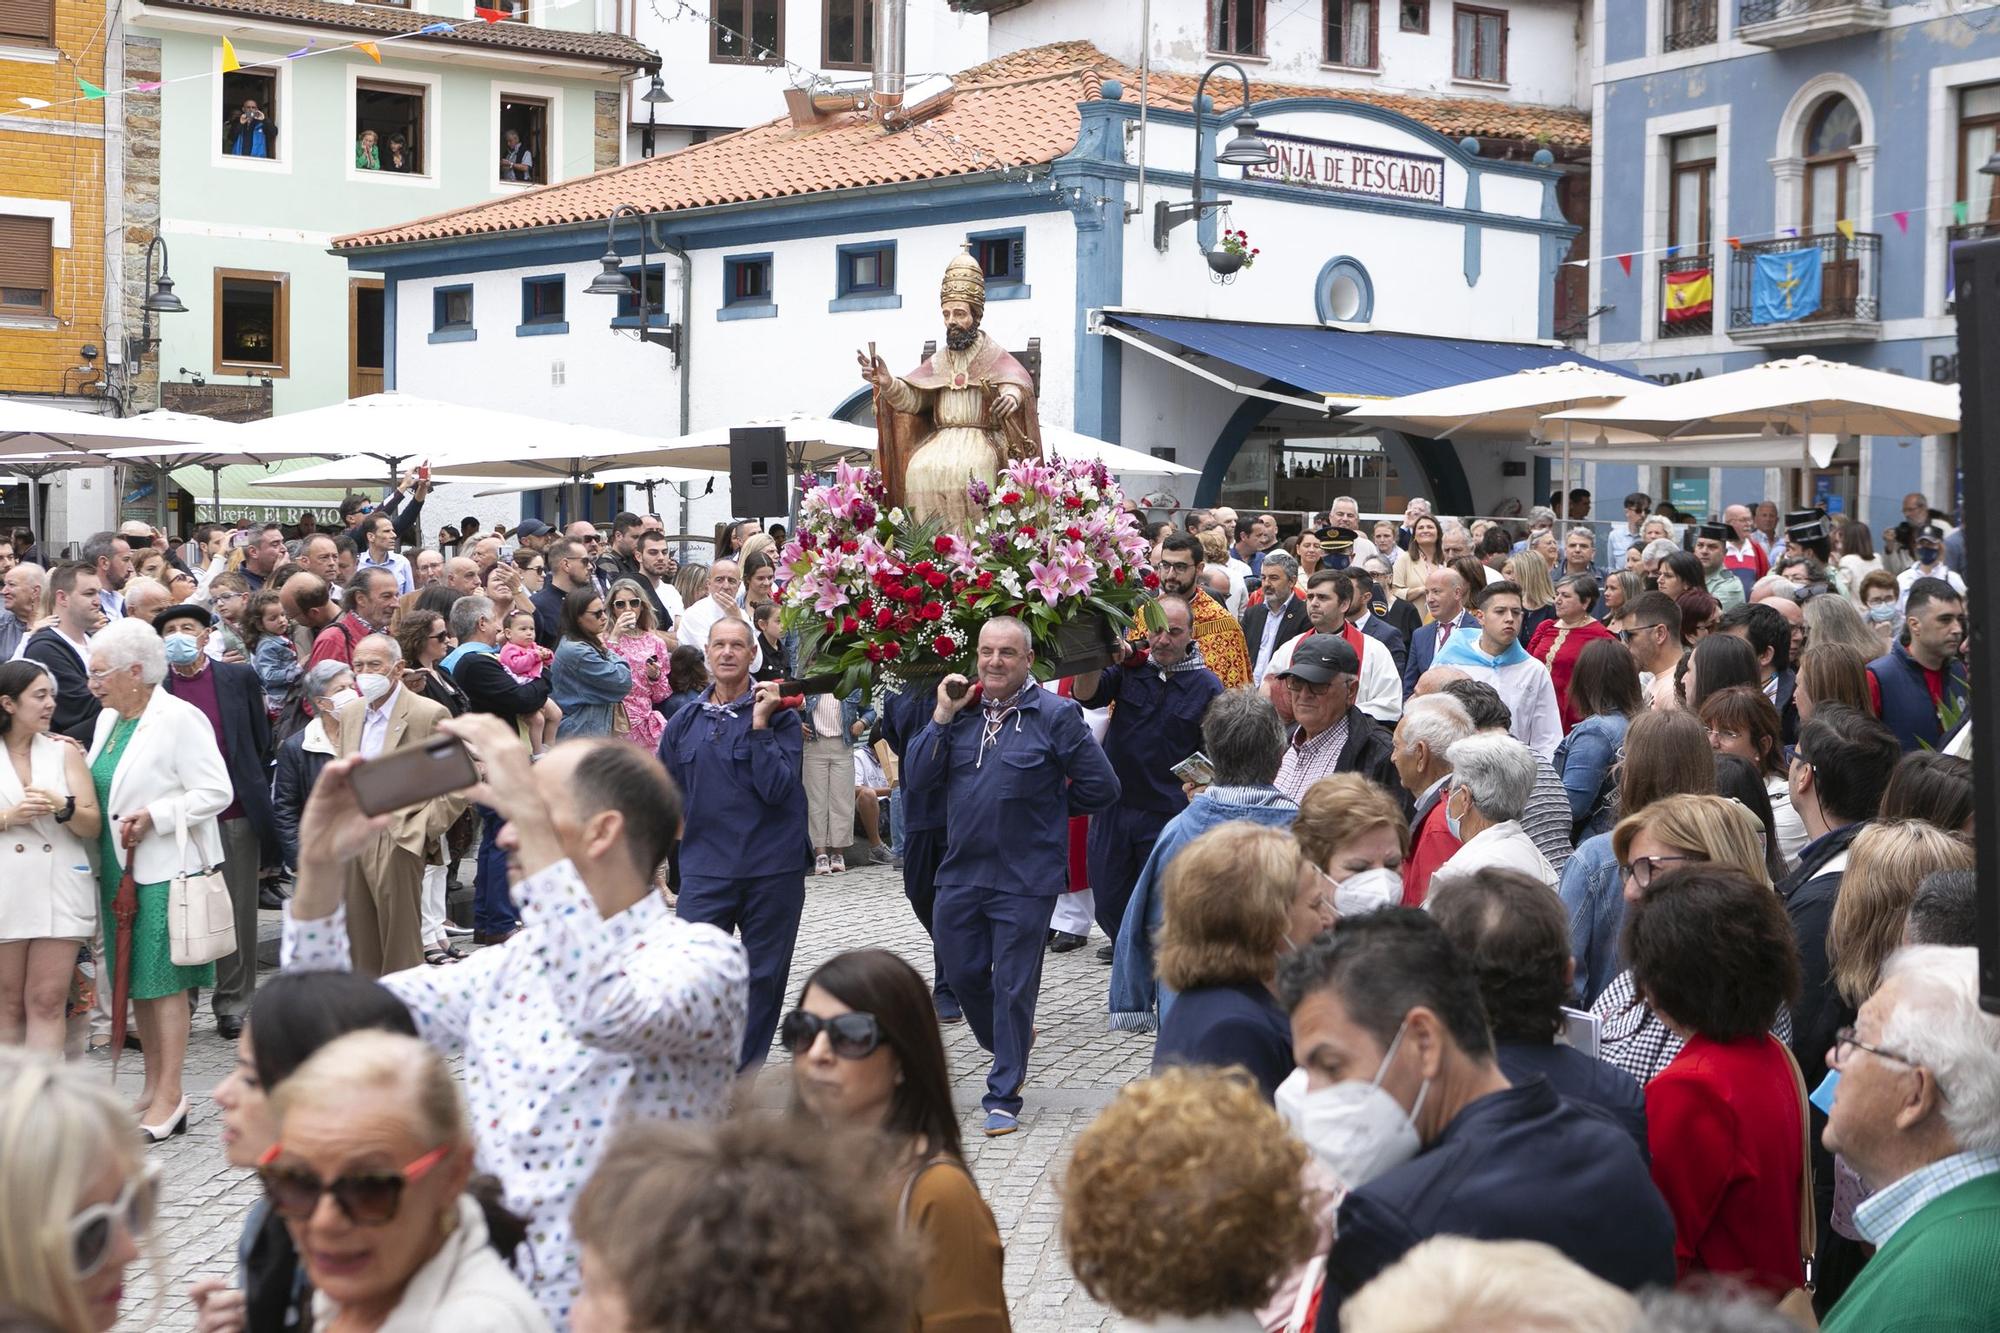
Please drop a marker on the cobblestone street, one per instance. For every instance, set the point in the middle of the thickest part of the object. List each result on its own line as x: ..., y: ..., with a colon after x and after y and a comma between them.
x: 1077, y: 1067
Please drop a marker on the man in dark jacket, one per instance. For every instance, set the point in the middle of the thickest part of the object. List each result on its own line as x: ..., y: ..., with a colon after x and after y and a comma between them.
x: 231, y: 697
x: 1388, y: 1000
x: 1444, y: 596
x: 1910, y: 684
x: 64, y: 648
x: 1280, y: 616
x: 1769, y: 635
x: 1333, y: 735
x: 488, y: 688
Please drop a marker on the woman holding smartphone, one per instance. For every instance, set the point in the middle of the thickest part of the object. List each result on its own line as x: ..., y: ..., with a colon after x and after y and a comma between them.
x: 636, y: 640
x: 589, y: 682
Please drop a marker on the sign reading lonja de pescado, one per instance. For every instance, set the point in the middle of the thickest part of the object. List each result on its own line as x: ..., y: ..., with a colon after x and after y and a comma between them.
x: 1321, y: 164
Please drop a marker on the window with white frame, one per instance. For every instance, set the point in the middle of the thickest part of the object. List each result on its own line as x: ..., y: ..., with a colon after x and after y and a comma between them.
x: 524, y: 140
x: 1978, y: 140
x: 390, y: 118
x: 250, y: 113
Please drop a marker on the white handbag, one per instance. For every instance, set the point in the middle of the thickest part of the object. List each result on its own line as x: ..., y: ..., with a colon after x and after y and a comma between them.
x: 201, y: 919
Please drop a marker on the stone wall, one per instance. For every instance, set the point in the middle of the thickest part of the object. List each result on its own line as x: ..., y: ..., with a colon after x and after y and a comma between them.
x: 142, y: 208
x: 608, y: 131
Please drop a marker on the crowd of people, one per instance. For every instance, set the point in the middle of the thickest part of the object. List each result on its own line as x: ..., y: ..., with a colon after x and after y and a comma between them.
x: 1528, y: 942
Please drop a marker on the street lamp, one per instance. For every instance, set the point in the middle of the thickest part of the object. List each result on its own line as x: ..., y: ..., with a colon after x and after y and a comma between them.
x: 611, y: 280
x: 160, y: 300
x: 1244, y: 150
x: 654, y: 97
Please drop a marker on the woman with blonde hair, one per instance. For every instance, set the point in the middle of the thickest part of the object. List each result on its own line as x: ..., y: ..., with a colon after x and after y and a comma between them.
x: 1415, y: 566
x: 370, y: 1174
x: 1834, y: 620
x: 1147, y: 1229
x: 77, y: 1195
x: 1538, y: 592
x: 1884, y: 866
x: 1354, y: 838
x: 1228, y: 905
x: 1672, y: 833
x: 1831, y: 673
x: 638, y: 642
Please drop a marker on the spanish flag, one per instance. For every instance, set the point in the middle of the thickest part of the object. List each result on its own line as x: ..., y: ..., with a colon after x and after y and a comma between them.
x: 1690, y: 294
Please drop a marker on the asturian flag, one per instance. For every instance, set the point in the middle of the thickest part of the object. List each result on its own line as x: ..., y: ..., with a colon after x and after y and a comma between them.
x: 1785, y: 286
x: 1690, y: 294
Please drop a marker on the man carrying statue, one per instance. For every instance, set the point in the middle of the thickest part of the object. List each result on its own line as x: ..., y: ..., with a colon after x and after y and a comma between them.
x: 964, y: 413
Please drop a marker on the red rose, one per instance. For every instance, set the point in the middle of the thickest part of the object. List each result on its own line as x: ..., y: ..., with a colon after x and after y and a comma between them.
x: 913, y: 594
x: 873, y: 652
x: 1028, y: 531
x: 935, y: 578
x: 832, y: 626
x: 849, y: 547
x: 931, y: 611
x: 891, y: 651
x: 1011, y: 498
x: 884, y: 618
x: 943, y: 646
x: 905, y: 623
x: 1072, y: 502
x: 849, y: 625
x: 1150, y: 579
x: 942, y: 545
x: 1073, y: 532
x: 985, y: 580
x: 1117, y: 576
x: 865, y: 609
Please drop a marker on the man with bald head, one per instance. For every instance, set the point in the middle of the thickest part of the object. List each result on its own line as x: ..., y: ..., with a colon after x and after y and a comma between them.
x: 385, y: 881
x: 427, y: 568
x: 320, y: 555
x: 461, y: 575
x: 486, y: 553
x: 1013, y: 762
x: 1742, y: 554
x: 310, y: 605
x: 1444, y: 597
x: 737, y: 754
x: 146, y: 598
x: 725, y: 580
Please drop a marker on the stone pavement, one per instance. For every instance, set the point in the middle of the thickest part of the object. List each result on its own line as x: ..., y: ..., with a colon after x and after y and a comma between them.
x: 1077, y: 1067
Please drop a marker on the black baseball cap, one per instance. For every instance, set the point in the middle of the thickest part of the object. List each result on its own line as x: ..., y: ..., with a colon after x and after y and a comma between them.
x: 532, y: 527
x: 1318, y: 658
x: 1930, y: 532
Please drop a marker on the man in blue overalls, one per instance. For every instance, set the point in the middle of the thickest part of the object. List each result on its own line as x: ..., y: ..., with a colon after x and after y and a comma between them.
x: 1014, y: 763
x: 736, y: 755
x: 1160, y: 699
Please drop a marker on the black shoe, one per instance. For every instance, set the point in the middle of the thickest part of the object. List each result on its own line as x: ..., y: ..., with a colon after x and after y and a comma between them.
x: 1064, y: 942
x: 1104, y: 954
x: 269, y: 898
x: 496, y: 937
x: 229, y: 1026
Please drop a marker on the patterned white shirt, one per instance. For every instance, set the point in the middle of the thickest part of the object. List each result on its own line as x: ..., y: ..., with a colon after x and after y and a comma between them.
x: 575, y: 1026
x: 1882, y: 1214
x: 1307, y: 761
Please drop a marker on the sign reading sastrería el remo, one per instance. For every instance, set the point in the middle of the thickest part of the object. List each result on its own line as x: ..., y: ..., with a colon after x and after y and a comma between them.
x: 1321, y: 164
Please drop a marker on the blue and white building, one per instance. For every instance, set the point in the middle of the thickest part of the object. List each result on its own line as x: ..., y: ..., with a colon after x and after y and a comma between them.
x: 1399, y: 249
x: 1828, y: 141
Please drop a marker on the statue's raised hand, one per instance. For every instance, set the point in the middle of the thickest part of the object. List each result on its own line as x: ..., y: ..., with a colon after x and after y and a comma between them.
x: 873, y: 371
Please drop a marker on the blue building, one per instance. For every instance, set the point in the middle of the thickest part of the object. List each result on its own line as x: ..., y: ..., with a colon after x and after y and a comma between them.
x: 1776, y: 178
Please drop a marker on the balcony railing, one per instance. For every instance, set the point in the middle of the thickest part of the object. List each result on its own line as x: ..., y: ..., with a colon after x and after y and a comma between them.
x: 1795, y: 22
x: 1690, y: 23
x: 1684, y: 320
x: 1779, y: 307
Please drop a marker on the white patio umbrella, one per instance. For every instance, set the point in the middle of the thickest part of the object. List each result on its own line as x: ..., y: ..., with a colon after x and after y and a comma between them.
x: 183, y: 439
x: 363, y: 472
x: 1706, y: 451
x: 1798, y: 396
x: 1066, y: 443
x: 624, y: 476
x: 812, y: 442
x: 56, y: 439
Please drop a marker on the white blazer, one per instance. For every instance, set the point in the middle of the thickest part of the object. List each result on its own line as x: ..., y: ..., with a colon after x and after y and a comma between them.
x: 172, y: 769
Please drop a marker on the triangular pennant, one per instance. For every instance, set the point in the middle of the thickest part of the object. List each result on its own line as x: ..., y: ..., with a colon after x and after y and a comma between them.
x: 32, y: 103
x: 369, y: 49
x: 1673, y: 250
x: 90, y: 91
x: 1791, y: 231
x: 305, y: 50
x: 1902, y: 221
x: 490, y: 15
x: 230, y: 64
x: 1958, y: 212
x: 1845, y: 227
x: 151, y: 87
x: 433, y: 27
x: 1736, y: 242
x: 1625, y: 262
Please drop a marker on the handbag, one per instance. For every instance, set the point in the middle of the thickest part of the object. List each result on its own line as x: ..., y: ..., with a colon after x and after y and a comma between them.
x: 1797, y: 1305
x: 201, y: 919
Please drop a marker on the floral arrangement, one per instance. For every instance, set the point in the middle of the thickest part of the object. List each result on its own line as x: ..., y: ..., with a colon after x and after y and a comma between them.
x: 1238, y: 243
x: 875, y: 594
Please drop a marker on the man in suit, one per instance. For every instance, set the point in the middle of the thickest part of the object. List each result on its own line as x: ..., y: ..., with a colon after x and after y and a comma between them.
x: 64, y: 648
x: 1279, y: 617
x: 231, y: 697
x: 1444, y: 596
x: 386, y: 880
x: 1486, y: 1158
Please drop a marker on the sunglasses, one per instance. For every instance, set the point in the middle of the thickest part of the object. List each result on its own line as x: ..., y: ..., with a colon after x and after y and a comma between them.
x: 625, y: 605
x: 594, y: 612
x: 90, y: 1231
x: 441, y: 636
x: 853, y: 1036
x: 368, y: 1198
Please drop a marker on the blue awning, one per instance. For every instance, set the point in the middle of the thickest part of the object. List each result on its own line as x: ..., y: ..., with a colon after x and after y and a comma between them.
x: 1346, y: 363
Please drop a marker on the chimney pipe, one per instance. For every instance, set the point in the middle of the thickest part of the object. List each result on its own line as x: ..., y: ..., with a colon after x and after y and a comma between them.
x: 886, y: 89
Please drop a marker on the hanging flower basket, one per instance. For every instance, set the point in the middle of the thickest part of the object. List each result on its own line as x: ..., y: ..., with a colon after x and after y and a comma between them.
x: 1238, y: 243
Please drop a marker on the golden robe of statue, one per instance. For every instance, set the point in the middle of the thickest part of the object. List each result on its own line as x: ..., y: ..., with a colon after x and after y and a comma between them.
x: 963, y: 413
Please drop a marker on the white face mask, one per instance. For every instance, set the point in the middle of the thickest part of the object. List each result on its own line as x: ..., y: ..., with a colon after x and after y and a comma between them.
x: 372, y: 686
x: 1357, y: 1129
x: 1367, y: 891
x: 339, y: 699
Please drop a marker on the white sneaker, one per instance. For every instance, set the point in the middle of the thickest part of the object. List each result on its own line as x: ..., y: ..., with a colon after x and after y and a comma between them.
x: 839, y: 864
x: 821, y: 866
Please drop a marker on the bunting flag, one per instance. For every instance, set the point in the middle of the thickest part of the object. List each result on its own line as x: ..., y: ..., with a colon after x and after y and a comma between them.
x: 1785, y: 286
x: 305, y: 50
x: 90, y: 91
x: 369, y: 49
x: 1625, y: 262
x: 1845, y: 227
x: 33, y: 103
x: 1736, y: 242
x: 433, y: 27
x: 1958, y: 212
x: 1673, y: 250
x: 230, y: 64
x: 1902, y: 221
x: 1689, y: 295
x: 490, y: 15
x: 1791, y: 231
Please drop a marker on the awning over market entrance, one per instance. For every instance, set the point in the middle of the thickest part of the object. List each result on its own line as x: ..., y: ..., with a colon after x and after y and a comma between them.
x: 1328, y: 368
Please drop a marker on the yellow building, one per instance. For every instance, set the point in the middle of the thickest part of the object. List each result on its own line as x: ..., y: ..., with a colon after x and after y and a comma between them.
x: 52, y: 188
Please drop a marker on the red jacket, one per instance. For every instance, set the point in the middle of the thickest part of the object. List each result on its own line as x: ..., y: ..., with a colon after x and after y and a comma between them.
x: 1432, y: 846
x: 1722, y: 1123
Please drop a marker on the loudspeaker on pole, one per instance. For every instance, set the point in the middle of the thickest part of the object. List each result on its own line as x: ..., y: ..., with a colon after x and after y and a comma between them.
x: 758, y: 471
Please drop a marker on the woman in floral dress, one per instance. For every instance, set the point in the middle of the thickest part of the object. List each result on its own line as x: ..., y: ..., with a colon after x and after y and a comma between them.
x: 647, y: 653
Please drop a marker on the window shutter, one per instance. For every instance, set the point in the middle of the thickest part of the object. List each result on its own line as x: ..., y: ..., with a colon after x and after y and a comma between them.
x: 27, y: 251
x: 34, y: 20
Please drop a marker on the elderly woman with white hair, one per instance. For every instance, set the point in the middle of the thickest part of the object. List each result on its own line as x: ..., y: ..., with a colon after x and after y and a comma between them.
x: 161, y: 784
x: 1492, y: 778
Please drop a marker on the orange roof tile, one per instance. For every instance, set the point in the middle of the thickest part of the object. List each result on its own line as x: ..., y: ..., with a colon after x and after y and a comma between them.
x: 606, y: 47
x: 1017, y: 109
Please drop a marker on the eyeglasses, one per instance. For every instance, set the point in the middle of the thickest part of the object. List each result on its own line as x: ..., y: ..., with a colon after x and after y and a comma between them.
x: 625, y: 604
x: 1723, y: 734
x: 593, y: 612
x: 1845, y: 1043
x: 1299, y: 685
x: 853, y: 1036
x: 592, y: 540
x: 1641, y: 869
x: 90, y: 1231
x: 368, y: 1198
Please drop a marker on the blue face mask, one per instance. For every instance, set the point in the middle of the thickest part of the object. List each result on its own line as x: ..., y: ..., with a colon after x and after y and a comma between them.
x: 1822, y: 1096
x: 1882, y: 613
x: 1451, y: 821
x: 182, y: 649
